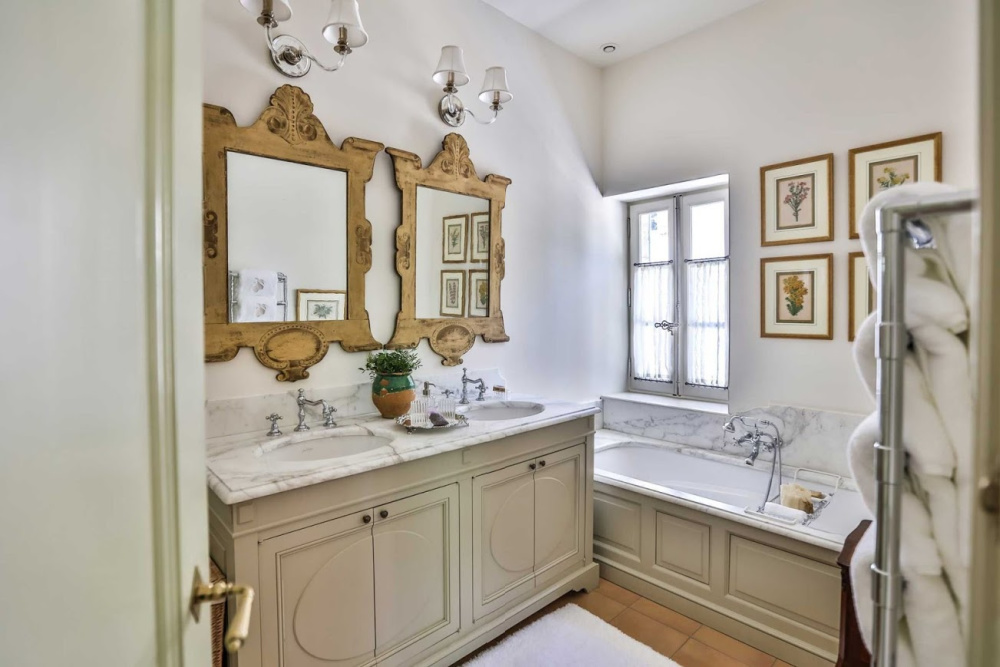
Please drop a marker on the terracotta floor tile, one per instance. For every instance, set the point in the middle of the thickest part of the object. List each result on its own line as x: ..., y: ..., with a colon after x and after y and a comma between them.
x: 617, y: 593
x: 597, y: 604
x: 655, y: 635
x: 695, y: 654
x: 734, y: 648
x: 781, y: 663
x: 666, y: 616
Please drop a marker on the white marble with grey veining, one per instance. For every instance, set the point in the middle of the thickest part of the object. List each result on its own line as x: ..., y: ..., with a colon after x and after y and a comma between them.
x: 813, y: 438
x: 237, y: 472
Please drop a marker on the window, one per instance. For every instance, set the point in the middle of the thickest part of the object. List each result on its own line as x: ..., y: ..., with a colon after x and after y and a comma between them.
x: 679, y: 295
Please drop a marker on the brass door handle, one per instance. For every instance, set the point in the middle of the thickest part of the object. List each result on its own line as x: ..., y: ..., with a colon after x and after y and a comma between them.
x: 239, y: 628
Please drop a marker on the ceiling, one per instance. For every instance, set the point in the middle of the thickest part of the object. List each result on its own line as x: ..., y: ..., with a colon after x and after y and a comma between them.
x: 583, y: 26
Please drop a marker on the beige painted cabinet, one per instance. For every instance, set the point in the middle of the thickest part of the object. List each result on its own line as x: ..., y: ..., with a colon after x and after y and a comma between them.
x: 345, y: 591
x: 527, y: 526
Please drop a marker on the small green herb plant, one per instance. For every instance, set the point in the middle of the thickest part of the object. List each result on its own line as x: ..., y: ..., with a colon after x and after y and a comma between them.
x: 391, y: 362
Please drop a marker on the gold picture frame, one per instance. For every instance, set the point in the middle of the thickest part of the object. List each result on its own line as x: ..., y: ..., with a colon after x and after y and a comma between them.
x: 303, y: 305
x: 479, y: 237
x: 917, y: 158
x: 858, y: 283
x: 449, y: 224
x: 796, y: 297
x: 479, y: 293
x: 796, y: 201
x: 285, y: 130
x: 453, y: 292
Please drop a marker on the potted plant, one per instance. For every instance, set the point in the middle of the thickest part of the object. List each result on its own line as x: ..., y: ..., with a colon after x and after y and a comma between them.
x: 393, y: 388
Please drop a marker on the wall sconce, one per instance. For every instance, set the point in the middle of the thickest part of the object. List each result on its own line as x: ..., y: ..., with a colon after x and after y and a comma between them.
x: 343, y: 29
x: 451, y: 74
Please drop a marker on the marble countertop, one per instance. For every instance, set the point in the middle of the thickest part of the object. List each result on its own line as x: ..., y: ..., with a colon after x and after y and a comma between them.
x: 238, y: 471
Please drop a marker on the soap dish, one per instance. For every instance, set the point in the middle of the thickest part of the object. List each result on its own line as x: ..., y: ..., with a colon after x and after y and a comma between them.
x: 422, y: 424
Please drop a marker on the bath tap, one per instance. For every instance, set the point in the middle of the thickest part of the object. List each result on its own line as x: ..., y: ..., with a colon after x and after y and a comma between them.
x: 466, y: 380
x: 302, y: 402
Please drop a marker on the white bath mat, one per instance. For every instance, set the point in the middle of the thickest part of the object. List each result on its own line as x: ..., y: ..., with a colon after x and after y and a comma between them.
x: 570, y: 637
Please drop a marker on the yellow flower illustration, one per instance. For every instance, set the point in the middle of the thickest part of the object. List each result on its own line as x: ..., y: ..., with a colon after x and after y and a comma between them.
x: 891, y: 179
x: 795, y: 293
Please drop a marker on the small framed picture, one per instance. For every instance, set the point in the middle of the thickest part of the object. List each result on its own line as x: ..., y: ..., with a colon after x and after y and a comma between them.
x: 796, y: 297
x: 861, y: 297
x: 452, y: 293
x: 796, y: 201
x: 479, y: 293
x: 879, y: 167
x: 315, y: 305
x: 480, y: 230
x: 455, y: 234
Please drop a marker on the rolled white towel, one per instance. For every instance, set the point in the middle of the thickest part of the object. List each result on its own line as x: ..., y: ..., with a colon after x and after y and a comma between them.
x: 943, y: 506
x: 786, y: 513
x: 861, y: 458
x: 932, y: 619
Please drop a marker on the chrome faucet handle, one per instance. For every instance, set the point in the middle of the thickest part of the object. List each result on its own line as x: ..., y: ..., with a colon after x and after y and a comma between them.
x: 273, y: 418
x: 482, y: 391
x: 328, y: 411
x: 447, y: 393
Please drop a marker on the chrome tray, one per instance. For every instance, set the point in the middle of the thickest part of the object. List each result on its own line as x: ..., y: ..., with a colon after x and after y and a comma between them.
x: 460, y: 421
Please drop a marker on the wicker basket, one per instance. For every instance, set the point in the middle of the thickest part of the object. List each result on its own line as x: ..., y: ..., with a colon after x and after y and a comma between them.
x: 218, y: 619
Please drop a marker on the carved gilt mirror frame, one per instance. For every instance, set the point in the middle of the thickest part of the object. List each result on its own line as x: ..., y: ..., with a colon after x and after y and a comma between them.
x: 451, y: 171
x: 286, y: 130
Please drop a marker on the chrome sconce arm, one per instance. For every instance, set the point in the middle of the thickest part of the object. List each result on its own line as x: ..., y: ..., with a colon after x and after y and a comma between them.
x: 290, y: 56
x: 451, y: 74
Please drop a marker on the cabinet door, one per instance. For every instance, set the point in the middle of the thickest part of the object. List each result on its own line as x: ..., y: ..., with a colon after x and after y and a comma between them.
x: 416, y: 572
x: 559, y: 488
x: 317, y: 598
x: 503, y: 536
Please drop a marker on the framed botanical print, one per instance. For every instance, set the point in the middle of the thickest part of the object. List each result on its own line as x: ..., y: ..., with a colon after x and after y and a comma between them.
x: 796, y: 201
x: 861, y: 294
x: 454, y: 233
x: 479, y: 293
x: 796, y: 297
x: 879, y: 167
x: 319, y: 305
x: 452, y: 293
x: 479, y: 247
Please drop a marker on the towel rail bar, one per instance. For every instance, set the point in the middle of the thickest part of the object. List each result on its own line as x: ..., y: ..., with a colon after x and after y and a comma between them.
x: 895, y: 224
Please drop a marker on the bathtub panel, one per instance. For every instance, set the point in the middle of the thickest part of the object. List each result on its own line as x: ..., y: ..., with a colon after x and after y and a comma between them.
x: 617, y: 526
x: 800, y: 589
x: 683, y: 547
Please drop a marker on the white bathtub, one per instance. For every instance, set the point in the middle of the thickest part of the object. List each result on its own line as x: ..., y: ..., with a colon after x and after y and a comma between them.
x: 722, y: 486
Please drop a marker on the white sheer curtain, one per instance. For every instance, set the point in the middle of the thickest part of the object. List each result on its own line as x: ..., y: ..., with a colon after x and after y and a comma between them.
x: 707, y: 326
x: 653, y: 302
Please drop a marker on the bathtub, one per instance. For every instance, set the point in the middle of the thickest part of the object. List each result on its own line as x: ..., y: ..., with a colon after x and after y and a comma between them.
x: 672, y: 523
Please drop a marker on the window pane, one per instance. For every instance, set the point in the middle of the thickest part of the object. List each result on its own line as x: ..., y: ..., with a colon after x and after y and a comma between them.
x: 652, y: 303
x: 654, y: 236
x: 708, y: 230
x: 707, y: 327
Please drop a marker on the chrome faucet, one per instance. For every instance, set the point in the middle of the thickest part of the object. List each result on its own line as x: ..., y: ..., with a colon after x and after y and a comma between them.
x: 466, y: 380
x: 756, y: 438
x: 302, y: 402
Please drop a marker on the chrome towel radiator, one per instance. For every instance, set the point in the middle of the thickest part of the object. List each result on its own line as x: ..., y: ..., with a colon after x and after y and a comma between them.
x: 897, y: 225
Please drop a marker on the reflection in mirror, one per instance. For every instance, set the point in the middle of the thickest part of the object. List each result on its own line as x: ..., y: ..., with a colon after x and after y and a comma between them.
x: 287, y: 240
x: 453, y: 253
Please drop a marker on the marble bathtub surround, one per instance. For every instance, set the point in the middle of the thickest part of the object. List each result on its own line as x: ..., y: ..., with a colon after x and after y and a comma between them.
x: 813, y: 438
x: 233, y: 416
x: 237, y: 472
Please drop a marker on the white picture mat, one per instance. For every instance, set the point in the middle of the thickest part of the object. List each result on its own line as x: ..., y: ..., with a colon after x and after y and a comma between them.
x: 303, y: 299
x: 860, y: 291
x: 821, y: 290
x: 821, y: 196
x: 924, y: 150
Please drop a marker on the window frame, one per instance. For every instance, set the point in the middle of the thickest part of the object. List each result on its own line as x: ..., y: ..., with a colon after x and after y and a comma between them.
x: 679, y: 203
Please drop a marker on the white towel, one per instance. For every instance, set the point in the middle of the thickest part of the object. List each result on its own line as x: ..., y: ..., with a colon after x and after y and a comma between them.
x: 257, y: 297
x: 259, y: 284
x: 943, y: 503
x: 788, y: 513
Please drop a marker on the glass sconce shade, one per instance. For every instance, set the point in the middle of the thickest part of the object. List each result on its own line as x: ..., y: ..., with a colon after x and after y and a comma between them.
x: 281, y: 10
x: 452, y: 64
x: 344, y: 14
x: 495, y: 84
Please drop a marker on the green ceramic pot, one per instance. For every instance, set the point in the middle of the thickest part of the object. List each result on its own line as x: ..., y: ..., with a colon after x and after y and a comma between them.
x: 392, y: 394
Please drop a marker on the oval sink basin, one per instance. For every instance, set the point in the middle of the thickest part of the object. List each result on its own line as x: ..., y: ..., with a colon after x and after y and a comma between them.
x: 322, y: 448
x: 502, y: 411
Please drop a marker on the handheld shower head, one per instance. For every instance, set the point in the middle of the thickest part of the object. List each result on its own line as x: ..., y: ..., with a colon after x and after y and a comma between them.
x: 730, y: 426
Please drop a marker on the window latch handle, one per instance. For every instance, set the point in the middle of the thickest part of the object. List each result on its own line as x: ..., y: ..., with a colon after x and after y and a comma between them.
x: 666, y: 326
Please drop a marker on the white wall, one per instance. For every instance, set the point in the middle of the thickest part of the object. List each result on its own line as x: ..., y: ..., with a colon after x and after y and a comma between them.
x: 788, y: 79
x: 565, y: 248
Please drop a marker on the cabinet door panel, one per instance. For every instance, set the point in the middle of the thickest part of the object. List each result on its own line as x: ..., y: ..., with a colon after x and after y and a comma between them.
x: 503, y: 536
x: 558, y: 512
x: 317, y: 595
x: 416, y: 569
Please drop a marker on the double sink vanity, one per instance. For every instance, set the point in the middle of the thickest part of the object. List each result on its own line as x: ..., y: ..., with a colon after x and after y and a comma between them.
x: 368, y: 545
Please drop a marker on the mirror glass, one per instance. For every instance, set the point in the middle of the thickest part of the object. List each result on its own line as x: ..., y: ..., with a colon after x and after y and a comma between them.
x: 453, y: 254
x: 287, y: 240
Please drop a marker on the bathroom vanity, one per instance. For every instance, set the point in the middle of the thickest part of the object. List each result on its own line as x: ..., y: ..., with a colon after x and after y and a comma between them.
x: 407, y: 549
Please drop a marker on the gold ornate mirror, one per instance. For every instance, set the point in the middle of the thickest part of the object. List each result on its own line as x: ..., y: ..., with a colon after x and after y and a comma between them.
x: 449, y: 252
x: 286, y: 241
